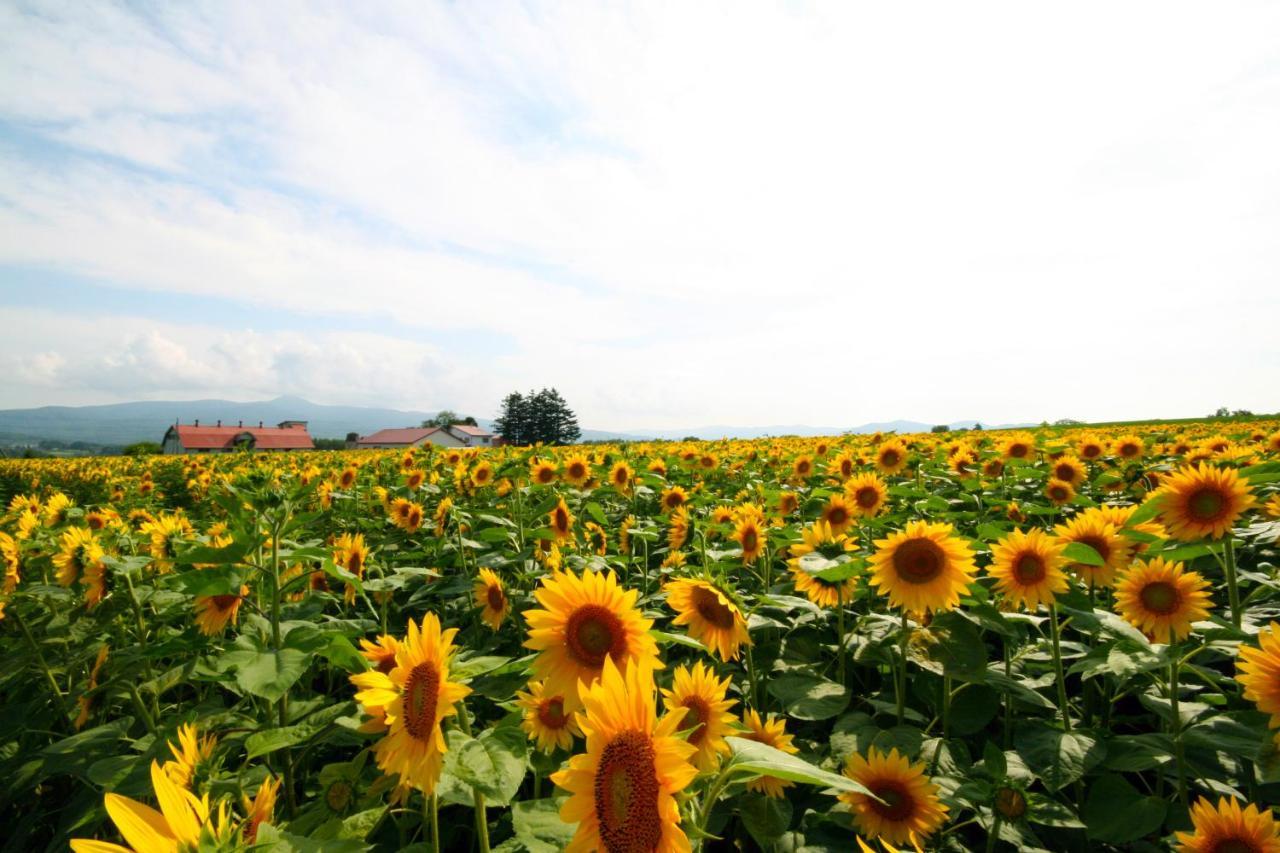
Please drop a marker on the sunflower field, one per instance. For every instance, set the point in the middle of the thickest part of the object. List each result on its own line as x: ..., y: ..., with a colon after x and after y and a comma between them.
x: 1057, y: 639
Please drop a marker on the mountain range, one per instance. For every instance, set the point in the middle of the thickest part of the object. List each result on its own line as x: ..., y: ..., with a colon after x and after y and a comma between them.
x: 119, y: 424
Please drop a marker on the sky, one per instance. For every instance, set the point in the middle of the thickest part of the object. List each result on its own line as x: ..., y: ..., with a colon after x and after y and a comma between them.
x: 676, y: 213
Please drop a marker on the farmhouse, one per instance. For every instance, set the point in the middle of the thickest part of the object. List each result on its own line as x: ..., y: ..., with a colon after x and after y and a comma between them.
x: 458, y: 435
x: 194, y: 438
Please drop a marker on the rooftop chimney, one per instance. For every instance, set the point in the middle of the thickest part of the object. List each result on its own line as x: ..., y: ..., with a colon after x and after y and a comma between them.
x: 219, y: 421
x: 242, y: 423
x: 197, y: 423
x: 259, y: 424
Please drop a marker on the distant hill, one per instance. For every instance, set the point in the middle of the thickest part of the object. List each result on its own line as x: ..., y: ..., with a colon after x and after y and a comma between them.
x: 723, y: 431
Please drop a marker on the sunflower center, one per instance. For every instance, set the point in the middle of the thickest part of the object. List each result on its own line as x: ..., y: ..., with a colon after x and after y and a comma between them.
x: 1011, y: 803
x: 421, y: 693
x: 1160, y: 597
x: 338, y: 796
x: 846, y: 468
x: 1236, y: 845
x: 497, y: 598
x: 1128, y: 449
x: 919, y: 560
x: 1018, y: 451
x: 593, y: 632
x: 898, y: 804
x: 695, y: 718
x: 837, y: 515
x: 750, y: 539
x: 674, y: 500
x: 1090, y: 450
x: 1206, y: 504
x: 626, y: 794
x: 224, y: 602
x: 576, y: 471
x: 551, y: 713
x: 620, y: 476
x: 545, y: 475
x: 866, y: 497
x: 1064, y: 472
x: 355, y: 562
x: 712, y: 609
x: 1029, y: 569
x: 802, y: 467
x: 889, y: 458
x: 1098, y: 544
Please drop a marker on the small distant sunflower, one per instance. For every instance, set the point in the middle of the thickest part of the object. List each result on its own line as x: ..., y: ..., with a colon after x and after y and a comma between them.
x: 1116, y: 551
x: 771, y: 732
x: 597, y: 538
x: 788, y: 502
x: 1203, y: 501
x: 586, y: 620
x: 1090, y: 447
x: 347, y: 478
x: 1161, y: 599
x: 1230, y: 829
x: 1059, y: 492
x: 1020, y: 446
x: 838, y: 513
x: 490, y: 595
x: 1273, y: 506
x: 443, y: 511
x: 678, y: 532
x: 414, y: 698
x: 214, y: 612
x: 820, y: 538
x: 868, y: 493
x: 482, y: 475
x: 842, y: 467
x: 673, y: 498
x: 802, y: 468
x: 993, y: 467
x: 413, y: 478
x: 908, y: 809
x: 923, y: 568
x: 707, y: 720
x: 622, y: 789
x: 748, y: 534
x: 620, y: 477
x: 546, y: 721
x: 1128, y: 447
x: 624, y: 534
x: 577, y: 470
x: 1258, y: 671
x: 891, y: 457
x: 712, y: 617
x: 542, y: 472
x: 1028, y: 568
x: 560, y: 520
x: 1068, y: 469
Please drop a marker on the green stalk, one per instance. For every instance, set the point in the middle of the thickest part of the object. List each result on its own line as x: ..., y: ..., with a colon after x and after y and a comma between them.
x: 1057, y: 666
x: 44, y: 665
x: 477, y: 798
x: 1233, y: 588
x: 1175, y: 725
x: 432, y: 805
x: 902, y: 670
x: 946, y: 707
x: 840, y: 632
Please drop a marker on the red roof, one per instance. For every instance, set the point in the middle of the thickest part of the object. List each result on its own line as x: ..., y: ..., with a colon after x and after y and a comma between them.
x: 264, y: 438
x: 470, y: 430
x: 403, y: 435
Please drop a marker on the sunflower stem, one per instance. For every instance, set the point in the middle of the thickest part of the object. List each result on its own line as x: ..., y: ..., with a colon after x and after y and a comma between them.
x: 477, y: 798
x: 840, y: 633
x: 1057, y: 666
x: 709, y: 802
x: 432, y: 806
x: 44, y: 665
x: 1175, y: 725
x: 1008, y: 697
x: 903, y: 639
x: 946, y: 708
x: 1233, y: 588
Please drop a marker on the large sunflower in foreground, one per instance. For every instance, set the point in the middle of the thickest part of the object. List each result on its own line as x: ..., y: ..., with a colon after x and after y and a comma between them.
x: 1258, y: 671
x: 712, y: 617
x: 1202, y: 501
x: 546, y: 721
x: 622, y: 789
x: 702, y: 695
x: 584, y: 621
x: 1161, y: 599
x: 184, y: 821
x: 910, y: 811
x: 414, y: 697
x: 1230, y: 829
x: 923, y: 568
x: 1028, y: 568
x: 1116, y: 551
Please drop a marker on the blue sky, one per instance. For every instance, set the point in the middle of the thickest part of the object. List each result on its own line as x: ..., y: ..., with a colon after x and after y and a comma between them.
x: 676, y: 213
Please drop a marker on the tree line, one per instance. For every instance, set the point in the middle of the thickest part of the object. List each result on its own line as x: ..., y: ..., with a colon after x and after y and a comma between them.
x: 539, y: 416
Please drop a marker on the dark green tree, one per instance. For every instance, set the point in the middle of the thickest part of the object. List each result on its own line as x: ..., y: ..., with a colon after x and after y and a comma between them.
x: 539, y: 416
x: 512, y: 422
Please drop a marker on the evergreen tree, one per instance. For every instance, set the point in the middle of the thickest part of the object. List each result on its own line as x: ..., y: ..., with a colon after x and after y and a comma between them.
x: 539, y: 416
x: 513, y: 422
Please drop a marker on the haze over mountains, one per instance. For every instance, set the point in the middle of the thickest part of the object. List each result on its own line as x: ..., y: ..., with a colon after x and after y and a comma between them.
x: 125, y: 423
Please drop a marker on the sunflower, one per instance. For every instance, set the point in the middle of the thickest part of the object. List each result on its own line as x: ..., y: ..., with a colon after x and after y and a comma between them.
x: 620, y: 477
x: 55, y: 509
x: 1230, y: 828
x: 842, y: 467
x: 993, y: 467
x: 1028, y: 568
x: 414, y: 698
x: 788, y: 502
x: 891, y: 457
x: 838, y: 513
x: 542, y: 472
x: 802, y: 468
x: 490, y: 595
x: 482, y: 475
x: 771, y: 732
x: 586, y: 620
x: 560, y: 520
x: 1202, y: 501
x: 820, y: 538
x: 722, y: 515
x: 908, y: 809
x: 380, y: 653
x: 78, y: 551
x: 868, y: 493
x: 184, y: 821
x: 1090, y: 447
x: 923, y: 568
x: 673, y: 498
x: 748, y: 534
x: 1160, y: 599
x: 1020, y: 445
x: 624, y: 534
x: 546, y: 720
x: 1273, y: 506
x: 577, y: 470
x: 165, y: 531
x: 442, y: 513
x: 678, y: 532
x: 702, y: 695
x: 597, y: 538
x: 260, y: 809
x: 1116, y: 551
x: 712, y: 617
x: 1068, y: 469
x: 189, y: 754
x: 1258, y: 671
x: 85, y: 701
x: 1128, y: 447
x: 350, y: 552
x: 622, y: 789
x: 1059, y: 492
x: 213, y: 612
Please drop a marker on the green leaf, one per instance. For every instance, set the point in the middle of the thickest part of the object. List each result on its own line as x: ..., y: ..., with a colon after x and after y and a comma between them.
x: 752, y: 759
x: 273, y: 840
x: 597, y: 514
x: 844, y: 569
x: 993, y: 758
x: 1149, y: 510
x: 268, y: 674
x: 1078, y: 552
x: 1227, y: 735
x: 808, y: 697
x: 262, y: 743
x: 1058, y: 757
x: 538, y: 826
x: 766, y: 818
x: 494, y: 763
x: 478, y: 665
x: 667, y: 638
x: 1116, y: 812
x: 218, y: 580
x: 77, y: 753
x: 1135, y: 753
x: 959, y: 649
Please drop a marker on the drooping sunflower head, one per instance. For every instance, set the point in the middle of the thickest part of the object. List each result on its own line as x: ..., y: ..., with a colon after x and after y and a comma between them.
x: 622, y: 789
x: 868, y: 495
x: 770, y: 732
x: 191, y: 755
x: 214, y: 612
x: 1162, y: 599
x: 706, y: 718
x: 923, y: 568
x: 907, y: 810
x: 584, y: 621
x: 1258, y: 671
x: 547, y: 720
x: 1028, y: 568
x: 678, y: 532
x: 491, y: 596
x: 712, y: 616
x: 1116, y: 551
x: 1228, y: 828
x: 1202, y: 501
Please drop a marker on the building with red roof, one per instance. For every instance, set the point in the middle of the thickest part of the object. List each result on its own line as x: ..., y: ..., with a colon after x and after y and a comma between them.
x: 194, y: 438
x: 458, y: 435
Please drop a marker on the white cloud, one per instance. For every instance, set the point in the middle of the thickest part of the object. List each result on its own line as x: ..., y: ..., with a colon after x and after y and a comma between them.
x: 682, y: 213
